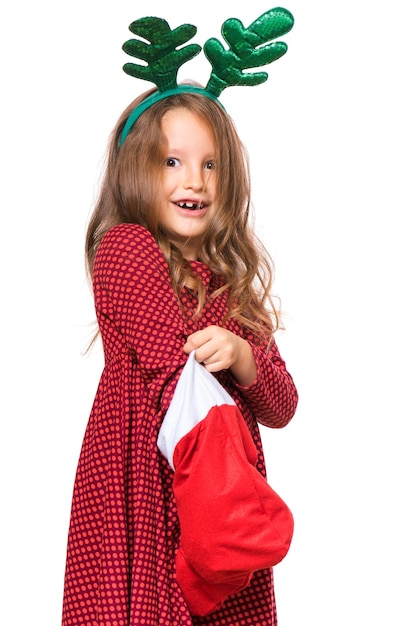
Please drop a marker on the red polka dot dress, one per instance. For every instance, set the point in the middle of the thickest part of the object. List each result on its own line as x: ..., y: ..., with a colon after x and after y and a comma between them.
x: 124, y: 530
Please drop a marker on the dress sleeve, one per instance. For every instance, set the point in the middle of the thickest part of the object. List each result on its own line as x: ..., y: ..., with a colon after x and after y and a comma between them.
x: 133, y: 295
x: 272, y: 397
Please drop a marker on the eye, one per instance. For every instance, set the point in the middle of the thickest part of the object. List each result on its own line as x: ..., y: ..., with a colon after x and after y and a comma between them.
x: 210, y: 165
x: 171, y: 162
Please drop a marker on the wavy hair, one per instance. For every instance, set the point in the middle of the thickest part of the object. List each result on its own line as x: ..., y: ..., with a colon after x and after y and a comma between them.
x: 130, y: 191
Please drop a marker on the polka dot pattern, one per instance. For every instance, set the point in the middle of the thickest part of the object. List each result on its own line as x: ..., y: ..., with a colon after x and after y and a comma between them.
x: 124, y: 528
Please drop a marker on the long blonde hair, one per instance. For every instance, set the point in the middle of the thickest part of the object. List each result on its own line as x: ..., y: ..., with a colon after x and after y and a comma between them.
x: 130, y: 191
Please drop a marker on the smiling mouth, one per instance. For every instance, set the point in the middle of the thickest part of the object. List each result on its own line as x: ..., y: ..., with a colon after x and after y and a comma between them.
x: 191, y: 206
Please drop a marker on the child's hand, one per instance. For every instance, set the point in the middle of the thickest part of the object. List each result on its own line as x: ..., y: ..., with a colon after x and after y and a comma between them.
x: 219, y: 349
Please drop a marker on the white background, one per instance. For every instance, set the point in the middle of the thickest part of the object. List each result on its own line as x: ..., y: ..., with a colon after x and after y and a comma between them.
x: 328, y: 137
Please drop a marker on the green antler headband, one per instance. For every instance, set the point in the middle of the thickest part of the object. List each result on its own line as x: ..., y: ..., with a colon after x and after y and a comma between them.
x: 248, y: 48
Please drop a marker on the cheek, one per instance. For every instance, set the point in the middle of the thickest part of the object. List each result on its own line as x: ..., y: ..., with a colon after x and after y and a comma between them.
x: 213, y: 185
x: 166, y: 185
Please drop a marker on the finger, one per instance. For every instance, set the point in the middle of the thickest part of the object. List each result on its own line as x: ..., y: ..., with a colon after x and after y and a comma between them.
x: 206, y: 353
x: 199, y: 339
x: 215, y: 365
x: 201, y: 336
x: 188, y: 347
x: 193, y: 341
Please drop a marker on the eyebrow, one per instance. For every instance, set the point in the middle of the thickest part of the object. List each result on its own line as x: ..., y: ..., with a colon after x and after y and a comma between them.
x: 180, y: 151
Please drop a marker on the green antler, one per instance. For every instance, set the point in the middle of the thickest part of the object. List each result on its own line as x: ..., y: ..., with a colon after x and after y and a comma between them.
x: 249, y: 47
x: 161, y: 55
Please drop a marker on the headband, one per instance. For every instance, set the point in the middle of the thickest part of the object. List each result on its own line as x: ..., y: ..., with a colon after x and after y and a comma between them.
x: 248, y: 48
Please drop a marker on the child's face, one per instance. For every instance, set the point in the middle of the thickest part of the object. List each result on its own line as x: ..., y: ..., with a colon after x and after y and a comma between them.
x: 189, y: 180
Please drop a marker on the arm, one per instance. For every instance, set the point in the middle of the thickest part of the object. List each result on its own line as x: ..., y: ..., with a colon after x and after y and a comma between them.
x: 219, y: 349
x: 133, y: 295
x: 272, y: 396
x: 259, y: 374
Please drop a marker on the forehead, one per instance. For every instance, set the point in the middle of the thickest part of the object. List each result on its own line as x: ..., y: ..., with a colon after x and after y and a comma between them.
x: 182, y: 126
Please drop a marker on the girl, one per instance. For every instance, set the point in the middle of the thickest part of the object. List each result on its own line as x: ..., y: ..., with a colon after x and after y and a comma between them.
x: 175, y: 268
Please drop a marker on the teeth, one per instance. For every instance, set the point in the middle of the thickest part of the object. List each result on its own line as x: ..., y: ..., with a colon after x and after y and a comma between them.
x: 189, y: 205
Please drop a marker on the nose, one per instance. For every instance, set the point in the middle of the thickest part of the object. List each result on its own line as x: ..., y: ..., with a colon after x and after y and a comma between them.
x: 194, y: 178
